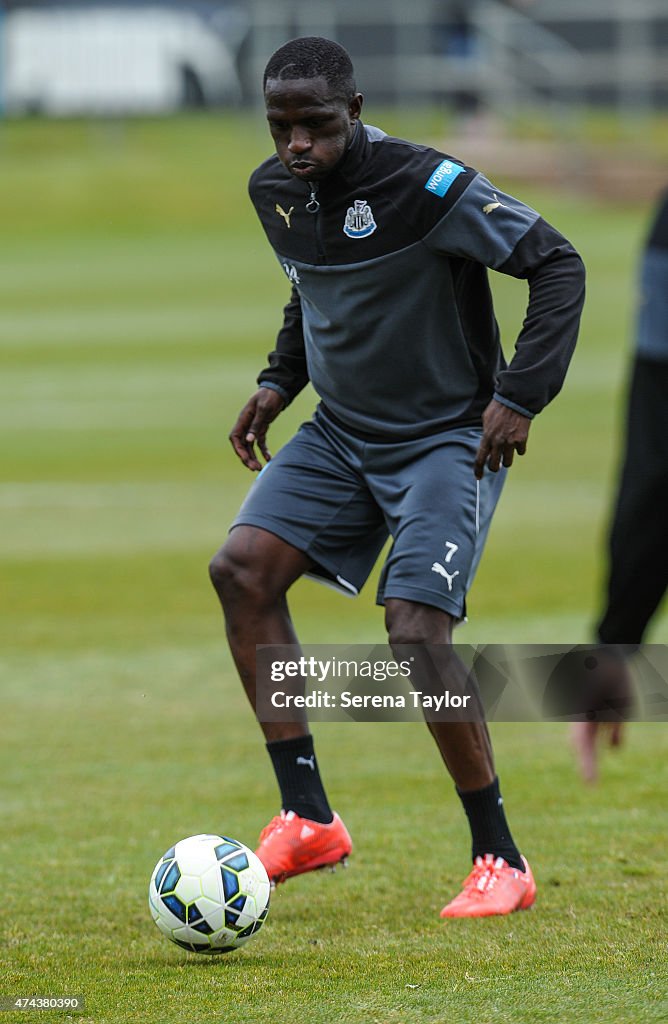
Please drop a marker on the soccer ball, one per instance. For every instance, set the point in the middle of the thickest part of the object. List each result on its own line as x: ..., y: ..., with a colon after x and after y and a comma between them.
x: 209, y: 894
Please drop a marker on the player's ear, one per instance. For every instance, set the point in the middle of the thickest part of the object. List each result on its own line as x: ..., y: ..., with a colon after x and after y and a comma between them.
x: 355, y: 106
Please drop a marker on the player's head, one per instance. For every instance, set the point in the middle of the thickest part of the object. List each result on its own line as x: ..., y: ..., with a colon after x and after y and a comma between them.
x: 312, y: 104
x: 313, y: 57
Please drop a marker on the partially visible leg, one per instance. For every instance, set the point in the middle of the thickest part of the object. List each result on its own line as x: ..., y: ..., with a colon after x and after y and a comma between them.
x: 251, y: 574
x: 465, y: 747
x: 638, y: 554
x: 501, y: 880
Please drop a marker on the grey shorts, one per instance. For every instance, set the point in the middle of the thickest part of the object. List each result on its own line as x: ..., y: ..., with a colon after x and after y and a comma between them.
x: 338, y: 498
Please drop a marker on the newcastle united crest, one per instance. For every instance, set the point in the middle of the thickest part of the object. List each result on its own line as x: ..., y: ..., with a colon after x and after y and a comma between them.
x: 359, y: 220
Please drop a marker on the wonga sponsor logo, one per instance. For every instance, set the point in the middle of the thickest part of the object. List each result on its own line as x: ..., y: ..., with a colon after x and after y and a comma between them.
x: 443, y: 177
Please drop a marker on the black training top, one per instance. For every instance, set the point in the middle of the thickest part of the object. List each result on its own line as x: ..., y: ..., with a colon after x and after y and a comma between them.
x: 391, y: 315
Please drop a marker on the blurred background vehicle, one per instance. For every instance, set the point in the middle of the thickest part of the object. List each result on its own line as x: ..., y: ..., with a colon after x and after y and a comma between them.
x: 123, y: 58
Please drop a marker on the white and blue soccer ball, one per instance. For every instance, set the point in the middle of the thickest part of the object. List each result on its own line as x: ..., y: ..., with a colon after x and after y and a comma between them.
x: 209, y: 894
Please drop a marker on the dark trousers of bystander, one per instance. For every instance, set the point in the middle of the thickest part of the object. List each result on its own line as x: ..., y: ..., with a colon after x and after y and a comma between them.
x: 638, y: 550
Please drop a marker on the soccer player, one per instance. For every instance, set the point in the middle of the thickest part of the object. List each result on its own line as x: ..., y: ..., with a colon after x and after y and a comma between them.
x: 385, y: 244
x: 637, y: 550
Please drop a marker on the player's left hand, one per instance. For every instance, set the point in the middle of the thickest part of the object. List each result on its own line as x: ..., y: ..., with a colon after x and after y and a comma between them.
x: 504, y: 432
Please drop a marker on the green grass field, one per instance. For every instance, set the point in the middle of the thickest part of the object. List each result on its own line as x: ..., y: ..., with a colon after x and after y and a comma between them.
x: 137, y: 301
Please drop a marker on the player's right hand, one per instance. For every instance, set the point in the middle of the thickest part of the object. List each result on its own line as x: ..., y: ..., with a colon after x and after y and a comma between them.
x: 252, y: 424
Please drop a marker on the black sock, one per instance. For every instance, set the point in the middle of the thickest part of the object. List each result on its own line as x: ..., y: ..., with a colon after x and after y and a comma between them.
x: 298, y: 778
x: 489, y: 829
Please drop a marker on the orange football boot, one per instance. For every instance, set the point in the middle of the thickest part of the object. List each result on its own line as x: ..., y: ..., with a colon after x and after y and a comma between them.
x: 290, y: 845
x: 493, y: 887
